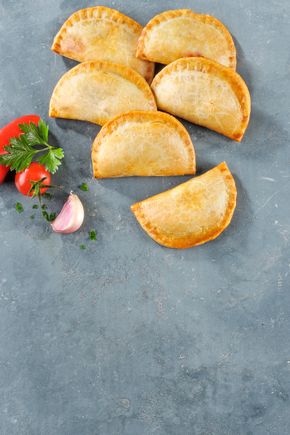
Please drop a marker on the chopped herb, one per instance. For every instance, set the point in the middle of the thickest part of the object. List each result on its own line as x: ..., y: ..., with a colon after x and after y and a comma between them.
x: 48, y: 216
x: 36, y: 191
x: 19, y: 207
x: 92, y: 235
x: 84, y: 187
x: 32, y: 216
x: 23, y: 149
x: 45, y: 215
x: 47, y: 195
x: 82, y: 246
x: 52, y: 216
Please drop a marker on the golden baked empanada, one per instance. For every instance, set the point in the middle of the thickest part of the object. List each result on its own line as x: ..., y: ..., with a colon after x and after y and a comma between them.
x: 205, y: 93
x: 98, y: 91
x: 142, y: 143
x: 101, y: 33
x: 182, y: 33
x: 193, y: 212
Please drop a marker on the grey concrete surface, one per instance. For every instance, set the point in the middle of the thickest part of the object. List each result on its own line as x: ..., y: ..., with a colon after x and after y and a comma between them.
x: 128, y: 337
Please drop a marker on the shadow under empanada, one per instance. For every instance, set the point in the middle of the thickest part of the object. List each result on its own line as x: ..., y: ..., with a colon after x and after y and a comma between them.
x: 264, y: 137
x: 64, y: 168
x: 139, y: 188
x: 238, y: 230
x: 243, y: 66
x: 69, y: 63
x: 235, y: 238
x: 77, y: 153
x: 199, y: 133
x: 85, y: 128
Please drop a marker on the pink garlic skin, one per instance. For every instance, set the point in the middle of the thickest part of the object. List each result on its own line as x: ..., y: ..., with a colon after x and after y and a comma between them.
x: 70, y: 217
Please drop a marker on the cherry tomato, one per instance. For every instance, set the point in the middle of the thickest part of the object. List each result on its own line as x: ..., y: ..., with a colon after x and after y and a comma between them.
x: 34, y: 172
x: 12, y: 130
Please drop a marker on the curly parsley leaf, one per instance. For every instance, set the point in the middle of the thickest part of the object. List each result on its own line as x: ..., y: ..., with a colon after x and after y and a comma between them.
x: 32, y: 144
x: 43, y: 129
x: 52, y: 159
x: 19, y: 154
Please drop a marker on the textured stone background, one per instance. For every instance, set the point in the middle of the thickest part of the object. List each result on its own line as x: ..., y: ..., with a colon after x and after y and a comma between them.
x: 128, y: 337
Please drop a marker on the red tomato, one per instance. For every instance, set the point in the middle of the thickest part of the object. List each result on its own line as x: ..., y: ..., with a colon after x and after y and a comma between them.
x: 9, y: 131
x: 35, y: 172
x: 3, y: 172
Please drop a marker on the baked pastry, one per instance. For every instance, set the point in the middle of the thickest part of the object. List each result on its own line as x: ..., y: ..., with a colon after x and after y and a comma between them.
x: 142, y: 143
x: 205, y: 93
x: 193, y: 212
x: 98, y: 91
x: 182, y: 33
x: 101, y: 33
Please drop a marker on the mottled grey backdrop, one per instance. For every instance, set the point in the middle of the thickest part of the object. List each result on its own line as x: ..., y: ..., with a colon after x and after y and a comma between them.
x: 127, y: 337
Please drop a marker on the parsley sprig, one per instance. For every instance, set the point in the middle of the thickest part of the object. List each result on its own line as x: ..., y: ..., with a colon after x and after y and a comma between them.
x: 32, y: 144
x: 37, y: 187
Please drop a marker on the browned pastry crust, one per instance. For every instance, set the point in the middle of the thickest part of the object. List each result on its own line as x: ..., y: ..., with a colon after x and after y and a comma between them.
x: 206, y: 93
x: 142, y: 143
x: 99, y: 91
x: 192, y: 213
x: 103, y: 34
x: 182, y: 33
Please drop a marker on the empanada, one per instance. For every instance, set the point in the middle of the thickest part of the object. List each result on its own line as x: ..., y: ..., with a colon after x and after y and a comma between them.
x: 98, y: 91
x: 182, y: 33
x: 101, y: 33
x: 193, y: 212
x: 142, y: 143
x: 205, y: 93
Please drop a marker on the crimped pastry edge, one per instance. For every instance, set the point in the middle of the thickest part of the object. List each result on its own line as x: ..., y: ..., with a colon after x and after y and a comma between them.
x: 210, y: 66
x: 99, y: 12
x: 122, y: 70
x: 141, y: 115
x: 167, y: 15
x: 186, y: 242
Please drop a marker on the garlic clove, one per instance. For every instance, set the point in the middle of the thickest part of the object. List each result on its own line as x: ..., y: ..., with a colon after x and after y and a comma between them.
x: 70, y: 217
